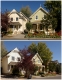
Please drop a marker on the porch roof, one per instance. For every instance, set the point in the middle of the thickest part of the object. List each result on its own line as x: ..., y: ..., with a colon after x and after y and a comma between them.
x: 12, y: 63
x: 15, y: 23
x: 36, y: 22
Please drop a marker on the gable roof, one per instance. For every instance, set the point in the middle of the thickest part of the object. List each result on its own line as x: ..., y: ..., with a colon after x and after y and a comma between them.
x: 38, y: 57
x: 15, y: 50
x: 24, y: 16
x: 28, y: 56
x: 40, y: 8
x: 14, y: 11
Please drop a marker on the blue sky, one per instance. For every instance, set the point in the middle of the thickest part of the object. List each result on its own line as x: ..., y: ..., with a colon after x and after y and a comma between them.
x: 9, y: 5
x: 54, y: 46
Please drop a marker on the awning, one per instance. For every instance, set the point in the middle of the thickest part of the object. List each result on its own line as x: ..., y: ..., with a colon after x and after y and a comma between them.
x: 15, y: 23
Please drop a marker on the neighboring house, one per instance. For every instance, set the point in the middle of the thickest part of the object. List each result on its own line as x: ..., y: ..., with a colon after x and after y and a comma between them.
x: 36, y: 18
x: 13, y: 57
x: 10, y: 60
x: 36, y: 59
x: 17, y: 22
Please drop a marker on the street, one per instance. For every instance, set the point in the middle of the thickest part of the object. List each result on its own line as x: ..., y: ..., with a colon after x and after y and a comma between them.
x: 58, y: 77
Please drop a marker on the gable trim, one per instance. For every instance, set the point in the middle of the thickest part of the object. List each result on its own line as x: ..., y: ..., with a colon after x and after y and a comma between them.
x: 38, y: 10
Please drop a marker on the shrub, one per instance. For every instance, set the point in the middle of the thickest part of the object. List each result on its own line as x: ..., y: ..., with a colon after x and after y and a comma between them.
x: 42, y: 74
x: 26, y: 31
x: 15, y: 71
x: 28, y: 26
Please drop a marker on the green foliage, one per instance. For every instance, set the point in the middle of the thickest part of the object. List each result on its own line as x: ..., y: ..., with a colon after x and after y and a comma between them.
x: 58, y: 68
x: 43, y: 51
x: 15, y: 71
x: 42, y: 74
x: 28, y: 26
x: 3, y: 49
x: 54, y: 9
x: 26, y: 11
x: 35, y: 69
x: 52, y: 66
x: 33, y: 48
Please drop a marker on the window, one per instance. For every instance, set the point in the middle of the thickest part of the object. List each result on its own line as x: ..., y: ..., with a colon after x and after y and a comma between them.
x: 38, y: 61
x: 18, y: 59
x: 13, y: 58
x: 11, y: 19
x: 16, y: 18
x: 36, y: 17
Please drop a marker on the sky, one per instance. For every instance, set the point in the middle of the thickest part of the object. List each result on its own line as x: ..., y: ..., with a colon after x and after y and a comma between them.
x: 54, y: 46
x: 10, y: 5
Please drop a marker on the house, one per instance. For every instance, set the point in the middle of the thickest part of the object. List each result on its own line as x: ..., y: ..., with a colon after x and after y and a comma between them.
x: 13, y: 57
x: 36, y: 59
x: 10, y: 60
x: 17, y: 21
x: 36, y: 19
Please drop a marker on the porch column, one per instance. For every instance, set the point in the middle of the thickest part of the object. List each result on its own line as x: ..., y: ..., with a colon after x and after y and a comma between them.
x: 37, y: 27
x: 13, y: 28
x: 18, y: 26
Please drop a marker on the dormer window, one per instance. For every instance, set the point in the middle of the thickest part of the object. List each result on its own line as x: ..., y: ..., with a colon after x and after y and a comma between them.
x: 36, y: 17
x: 16, y: 18
x: 11, y: 19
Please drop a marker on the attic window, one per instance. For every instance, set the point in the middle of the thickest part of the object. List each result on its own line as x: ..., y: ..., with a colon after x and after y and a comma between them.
x: 11, y: 19
x: 36, y: 17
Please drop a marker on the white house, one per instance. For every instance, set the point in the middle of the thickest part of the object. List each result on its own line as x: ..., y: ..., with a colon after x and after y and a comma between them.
x: 9, y: 60
x: 13, y: 57
x: 17, y: 21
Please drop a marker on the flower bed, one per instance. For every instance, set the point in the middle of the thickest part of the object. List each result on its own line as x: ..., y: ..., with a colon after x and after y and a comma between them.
x: 41, y: 35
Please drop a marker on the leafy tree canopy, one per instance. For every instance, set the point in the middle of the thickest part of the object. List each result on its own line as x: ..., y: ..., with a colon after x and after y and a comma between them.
x: 3, y: 49
x: 27, y: 11
x: 54, y: 9
x: 43, y: 51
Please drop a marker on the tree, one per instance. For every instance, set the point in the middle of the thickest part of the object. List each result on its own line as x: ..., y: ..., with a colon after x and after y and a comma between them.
x: 26, y: 63
x: 4, y: 21
x: 54, y: 9
x: 58, y: 68
x: 52, y: 66
x: 26, y: 11
x: 33, y: 48
x: 28, y: 26
x: 3, y: 49
x: 43, y: 51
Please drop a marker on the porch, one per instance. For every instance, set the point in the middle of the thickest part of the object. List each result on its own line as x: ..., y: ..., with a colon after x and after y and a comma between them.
x: 14, y: 27
x: 37, y: 26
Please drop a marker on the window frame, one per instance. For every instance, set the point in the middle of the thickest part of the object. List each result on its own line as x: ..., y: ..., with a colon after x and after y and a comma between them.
x: 16, y: 18
x: 36, y: 17
x: 13, y: 58
x: 11, y: 19
x: 18, y: 58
